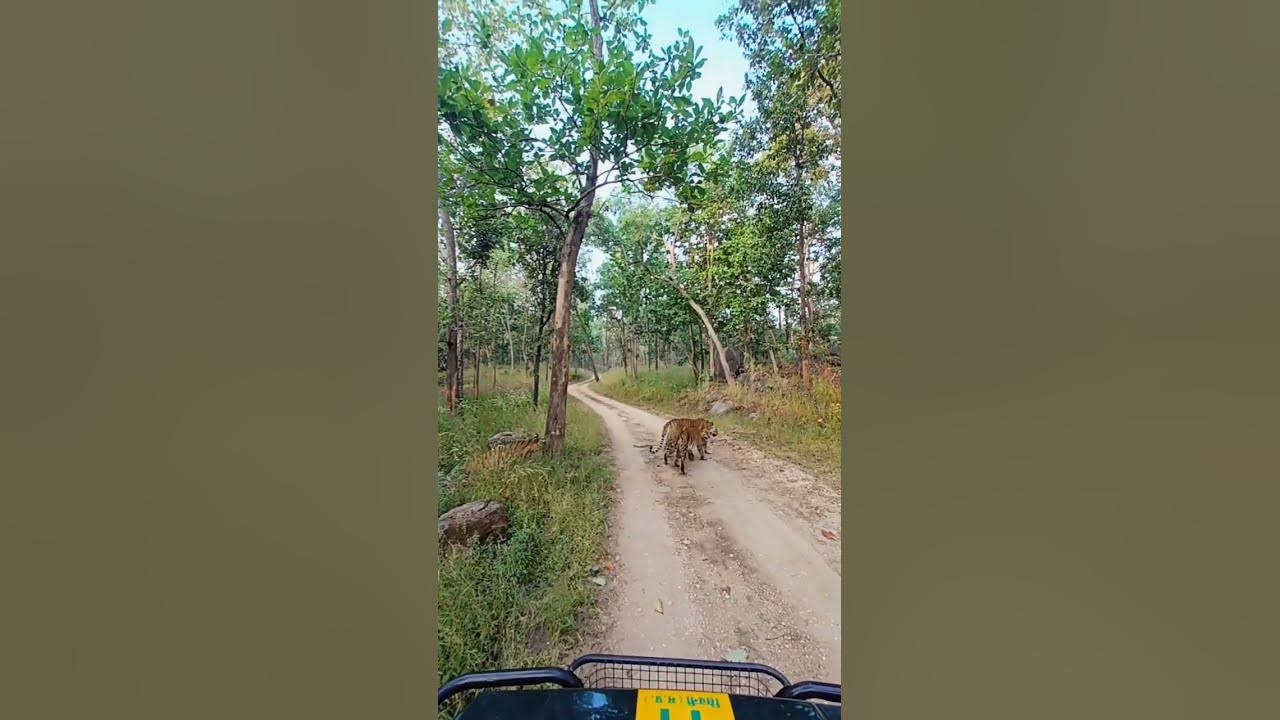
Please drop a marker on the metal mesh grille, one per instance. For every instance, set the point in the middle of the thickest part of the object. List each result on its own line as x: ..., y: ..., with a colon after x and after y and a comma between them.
x: 449, y: 709
x: 628, y: 676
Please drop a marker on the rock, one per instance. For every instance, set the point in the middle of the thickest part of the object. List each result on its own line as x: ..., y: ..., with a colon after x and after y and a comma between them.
x: 754, y: 416
x: 598, y: 580
x: 473, y: 523
x: 737, y: 656
x: 720, y: 407
x: 732, y: 356
x: 510, y: 438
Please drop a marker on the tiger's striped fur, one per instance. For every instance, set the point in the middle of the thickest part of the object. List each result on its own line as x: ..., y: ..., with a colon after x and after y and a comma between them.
x: 680, y: 435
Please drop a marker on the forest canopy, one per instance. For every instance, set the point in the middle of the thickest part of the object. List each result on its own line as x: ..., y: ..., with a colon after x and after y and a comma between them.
x: 563, y: 127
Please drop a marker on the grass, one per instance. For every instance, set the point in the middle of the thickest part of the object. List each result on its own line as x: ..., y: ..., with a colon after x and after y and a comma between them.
x: 521, y: 603
x: 803, y: 427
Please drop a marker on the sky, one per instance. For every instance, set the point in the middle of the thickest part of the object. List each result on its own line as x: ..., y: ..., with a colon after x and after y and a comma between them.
x: 726, y: 67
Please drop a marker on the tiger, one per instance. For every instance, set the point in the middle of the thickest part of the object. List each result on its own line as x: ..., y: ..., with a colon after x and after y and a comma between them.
x: 679, y: 434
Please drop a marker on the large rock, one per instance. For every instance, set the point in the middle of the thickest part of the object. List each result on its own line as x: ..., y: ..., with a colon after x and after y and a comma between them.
x: 732, y: 356
x: 474, y: 523
x: 720, y: 407
x: 510, y: 438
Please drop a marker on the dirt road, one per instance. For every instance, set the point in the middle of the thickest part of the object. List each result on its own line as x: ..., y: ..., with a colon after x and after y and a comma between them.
x: 730, y: 558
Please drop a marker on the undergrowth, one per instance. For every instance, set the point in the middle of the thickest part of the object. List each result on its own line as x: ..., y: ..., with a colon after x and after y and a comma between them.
x: 521, y: 603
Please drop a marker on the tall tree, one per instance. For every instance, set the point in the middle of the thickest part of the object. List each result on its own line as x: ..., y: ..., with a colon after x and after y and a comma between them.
x: 580, y: 100
x: 453, y: 348
x: 793, y: 53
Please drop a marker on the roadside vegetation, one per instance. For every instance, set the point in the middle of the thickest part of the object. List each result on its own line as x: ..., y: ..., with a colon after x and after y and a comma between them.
x: 520, y: 603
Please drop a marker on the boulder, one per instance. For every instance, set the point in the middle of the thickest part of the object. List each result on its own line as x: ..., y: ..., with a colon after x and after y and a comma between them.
x: 732, y: 356
x: 510, y: 438
x: 473, y: 523
x: 720, y: 407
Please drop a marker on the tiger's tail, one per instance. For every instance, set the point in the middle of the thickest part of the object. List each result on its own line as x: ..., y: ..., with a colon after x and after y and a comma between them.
x: 662, y: 440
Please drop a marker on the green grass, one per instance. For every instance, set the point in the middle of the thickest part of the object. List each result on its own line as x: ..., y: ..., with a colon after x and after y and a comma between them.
x: 521, y: 603
x: 803, y: 427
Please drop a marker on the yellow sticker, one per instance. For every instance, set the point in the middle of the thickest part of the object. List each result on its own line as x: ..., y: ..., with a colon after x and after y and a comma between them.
x: 682, y: 705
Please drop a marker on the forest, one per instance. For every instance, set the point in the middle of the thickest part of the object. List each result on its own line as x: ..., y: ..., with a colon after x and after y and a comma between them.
x: 562, y: 127
x: 603, y: 218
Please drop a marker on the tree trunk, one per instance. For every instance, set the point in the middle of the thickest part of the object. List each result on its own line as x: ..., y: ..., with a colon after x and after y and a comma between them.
x: 557, y: 404
x: 537, y: 358
x: 591, y: 356
x: 802, y: 337
x: 511, y: 344
x: 629, y: 337
x: 475, y: 352
x: 537, y: 371
x: 805, y: 335
x: 452, y: 364
x: 711, y: 356
x: 729, y: 379
x: 524, y: 340
x: 773, y: 359
x: 693, y: 356
x: 717, y: 347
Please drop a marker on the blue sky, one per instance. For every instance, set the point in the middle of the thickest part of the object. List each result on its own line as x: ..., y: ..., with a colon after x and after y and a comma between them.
x: 726, y: 67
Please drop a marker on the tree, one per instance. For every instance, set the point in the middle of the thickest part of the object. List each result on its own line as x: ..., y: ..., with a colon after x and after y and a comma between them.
x: 795, y: 44
x: 580, y: 101
x: 793, y: 52
x: 649, y: 252
x: 453, y: 349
